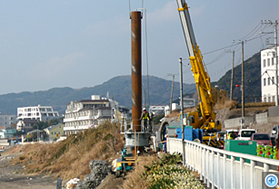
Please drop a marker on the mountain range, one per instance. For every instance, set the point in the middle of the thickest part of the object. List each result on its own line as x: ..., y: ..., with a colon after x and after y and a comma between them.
x: 157, y: 90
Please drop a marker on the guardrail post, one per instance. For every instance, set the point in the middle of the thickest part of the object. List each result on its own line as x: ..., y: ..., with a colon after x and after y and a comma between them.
x: 232, y: 172
x: 212, y: 170
x: 218, y: 169
x: 224, y: 170
x: 207, y: 168
x: 252, y: 173
x: 204, y: 166
x: 241, y: 173
x: 200, y: 159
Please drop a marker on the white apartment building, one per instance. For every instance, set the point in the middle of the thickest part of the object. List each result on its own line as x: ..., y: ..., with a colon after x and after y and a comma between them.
x: 268, y: 72
x: 156, y: 110
x: 41, y: 113
x: 7, y: 120
x: 187, y: 103
x: 84, y: 114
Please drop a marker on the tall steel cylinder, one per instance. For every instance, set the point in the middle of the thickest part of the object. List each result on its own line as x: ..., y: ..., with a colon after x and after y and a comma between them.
x: 136, y: 70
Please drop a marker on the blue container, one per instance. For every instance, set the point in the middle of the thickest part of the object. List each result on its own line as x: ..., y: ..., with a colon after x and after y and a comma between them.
x: 188, y: 133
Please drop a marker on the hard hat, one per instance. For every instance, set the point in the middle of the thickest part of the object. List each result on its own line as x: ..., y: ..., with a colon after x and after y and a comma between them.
x: 143, y: 109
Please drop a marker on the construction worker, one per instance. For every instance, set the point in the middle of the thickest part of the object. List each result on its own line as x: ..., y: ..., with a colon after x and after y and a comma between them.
x: 145, y: 117
x: 230, y: 136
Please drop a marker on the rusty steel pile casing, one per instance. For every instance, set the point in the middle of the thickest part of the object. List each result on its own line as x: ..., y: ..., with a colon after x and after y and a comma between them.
x: 136, y: 70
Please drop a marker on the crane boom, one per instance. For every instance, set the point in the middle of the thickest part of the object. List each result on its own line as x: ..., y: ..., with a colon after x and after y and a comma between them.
x: 201, y: 76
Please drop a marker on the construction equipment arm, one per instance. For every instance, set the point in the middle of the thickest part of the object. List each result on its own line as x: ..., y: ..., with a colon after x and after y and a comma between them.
x: 201, y: 76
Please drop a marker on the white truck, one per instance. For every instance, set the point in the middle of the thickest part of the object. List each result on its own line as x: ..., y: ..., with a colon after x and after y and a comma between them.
x: 245, y: 134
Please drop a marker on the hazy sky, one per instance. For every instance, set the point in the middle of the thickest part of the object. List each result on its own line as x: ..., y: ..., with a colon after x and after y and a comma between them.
x: 83, y: 43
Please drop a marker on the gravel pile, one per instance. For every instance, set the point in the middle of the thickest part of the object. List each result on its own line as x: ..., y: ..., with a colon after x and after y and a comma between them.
x: 99, y: 170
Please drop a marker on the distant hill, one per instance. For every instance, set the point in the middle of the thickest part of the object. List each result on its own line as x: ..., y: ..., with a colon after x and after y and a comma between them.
x: 252, y: 80
x: 119, y: 88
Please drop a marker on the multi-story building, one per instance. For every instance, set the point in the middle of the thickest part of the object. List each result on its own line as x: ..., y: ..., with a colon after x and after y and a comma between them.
x: 156, y: 110
x: 84, y: 114
x: 7, y: 120
x: 268, y: 72
x: 41, y: 113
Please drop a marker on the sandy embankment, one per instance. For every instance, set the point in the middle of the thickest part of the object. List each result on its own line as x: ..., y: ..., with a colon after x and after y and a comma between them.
x: 12, y: 177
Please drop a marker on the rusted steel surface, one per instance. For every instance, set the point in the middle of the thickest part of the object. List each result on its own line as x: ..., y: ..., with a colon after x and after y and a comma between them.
x: 136, y: 70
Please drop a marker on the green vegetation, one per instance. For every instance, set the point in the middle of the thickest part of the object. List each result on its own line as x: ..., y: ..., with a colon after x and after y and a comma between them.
x: 156, y: 119
x: 167, y: 173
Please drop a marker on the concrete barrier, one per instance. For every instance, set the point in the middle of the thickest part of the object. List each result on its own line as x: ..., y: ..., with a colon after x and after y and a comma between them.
x: 235, y: 122
x: 261, y: 118
x: 273, y: 111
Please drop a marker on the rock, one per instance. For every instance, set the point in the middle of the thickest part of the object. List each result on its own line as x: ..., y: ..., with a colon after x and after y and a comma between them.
x: 99, y: 170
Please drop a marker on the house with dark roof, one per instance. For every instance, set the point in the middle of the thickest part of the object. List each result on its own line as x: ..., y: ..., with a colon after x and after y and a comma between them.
x: 26, y: 125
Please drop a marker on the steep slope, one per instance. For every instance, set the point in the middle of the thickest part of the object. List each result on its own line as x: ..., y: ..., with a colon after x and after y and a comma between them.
x: 252, y: 80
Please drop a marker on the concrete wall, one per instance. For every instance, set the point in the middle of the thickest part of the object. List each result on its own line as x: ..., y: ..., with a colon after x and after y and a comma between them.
x: 273, y: 111
x: 273, y: 119
x: 261, y: 118
x: 235, y: 122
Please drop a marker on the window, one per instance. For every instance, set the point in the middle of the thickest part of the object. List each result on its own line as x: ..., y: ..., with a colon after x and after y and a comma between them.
x: 268, y: 62
x: 264, y: 81
x: 52, y: 133
x: 264, y: 63
x: 268, y: 81
x: 273, y: 98
x: 264, y: 99
x: 273, y: 82
x: 272, y: 61
x: 269, y: 99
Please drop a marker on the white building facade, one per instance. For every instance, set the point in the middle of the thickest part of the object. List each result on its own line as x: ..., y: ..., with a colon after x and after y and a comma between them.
x: 40, y: 113
x: 268, y: 72
x: 85, y: 114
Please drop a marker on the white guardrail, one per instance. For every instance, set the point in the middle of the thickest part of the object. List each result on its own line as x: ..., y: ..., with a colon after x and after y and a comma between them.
x: 223, y: 169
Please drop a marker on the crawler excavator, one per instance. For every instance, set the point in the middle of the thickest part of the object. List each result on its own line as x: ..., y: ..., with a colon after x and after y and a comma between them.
x: 207, y: 121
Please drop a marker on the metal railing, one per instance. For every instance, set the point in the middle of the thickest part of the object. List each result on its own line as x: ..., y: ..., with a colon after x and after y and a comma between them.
x: 223, y: 169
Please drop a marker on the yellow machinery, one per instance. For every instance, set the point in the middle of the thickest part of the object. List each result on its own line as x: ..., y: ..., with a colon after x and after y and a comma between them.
x: 202, y: 79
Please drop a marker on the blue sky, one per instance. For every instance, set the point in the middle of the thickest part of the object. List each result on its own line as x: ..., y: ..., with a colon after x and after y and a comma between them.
x: 83, y: 43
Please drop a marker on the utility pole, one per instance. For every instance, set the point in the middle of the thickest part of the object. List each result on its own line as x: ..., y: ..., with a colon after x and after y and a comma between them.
x: 37, y: 132
x: 276, y: 62
x: 171, y: 91
x: 242, y: 81
x: 275, y: 23
x: 181, y: 104
x: 144, y: 98
x: 231, y: 93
